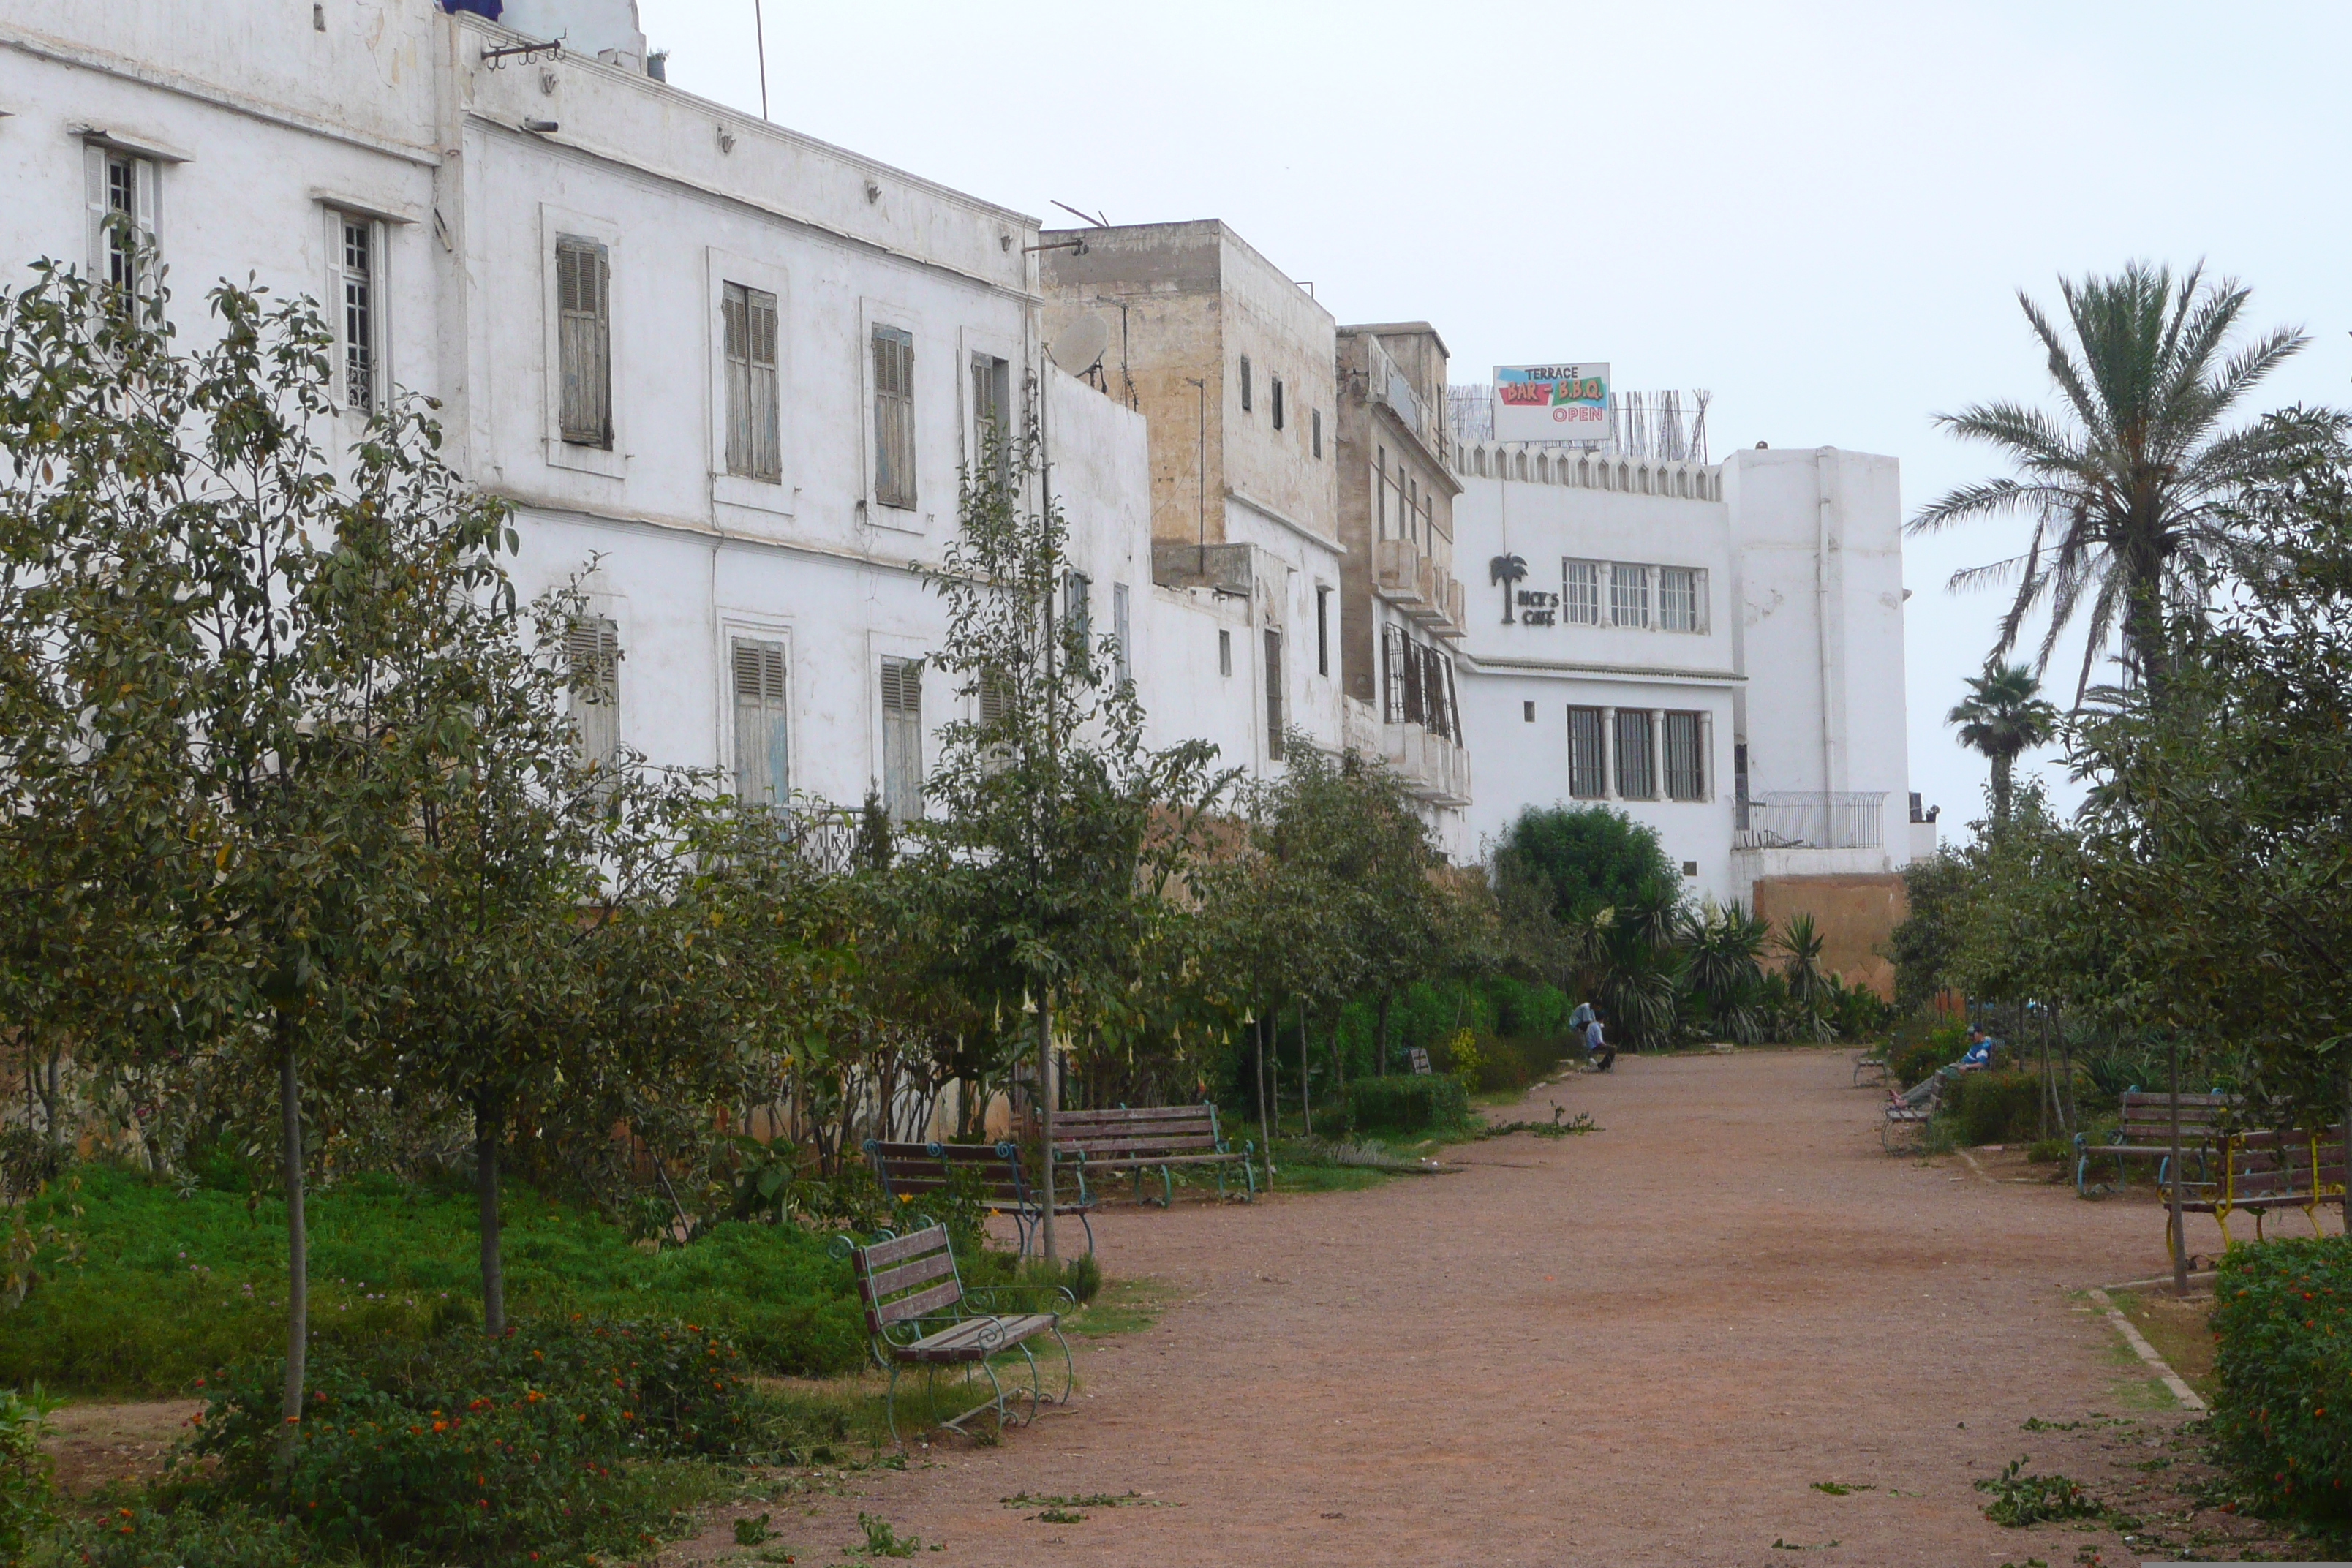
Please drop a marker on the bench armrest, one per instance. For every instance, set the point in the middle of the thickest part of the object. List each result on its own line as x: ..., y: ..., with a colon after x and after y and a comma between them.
x: 1055, y: 1299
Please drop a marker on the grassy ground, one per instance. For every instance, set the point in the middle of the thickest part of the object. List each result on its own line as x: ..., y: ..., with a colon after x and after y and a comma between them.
x: 2178, y: 1327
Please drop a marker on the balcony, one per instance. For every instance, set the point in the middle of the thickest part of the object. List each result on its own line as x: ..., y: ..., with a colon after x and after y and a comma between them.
x: 1429, y: 765
x: 1811, y: 819
x: 1397, y: 573
x: 1220, y: 568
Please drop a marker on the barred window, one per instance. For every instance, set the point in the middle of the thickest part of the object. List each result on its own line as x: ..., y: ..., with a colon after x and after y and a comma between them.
x: 357, y: 296
x: 1637, y: 764
x: 1588, y: 755
x: 753, y: 445
x: 1393, y: 666
x: 1686, y: 757
x: 584, y: 340
x: 1579, y: 593
x: 1679, y: 608
x: 893, y: 418
x: 1629, y: 595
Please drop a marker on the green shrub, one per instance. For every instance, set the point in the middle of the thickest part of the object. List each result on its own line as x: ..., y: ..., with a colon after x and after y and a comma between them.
x: 1996, y: 1106
x: 1913, y: 1056
x: 1408, y: 1102
x: 2282, y: 1366
x: 167, y: 1287
x: 188, y: 1534
x: 27, y: 1493
x: 485, y: 1449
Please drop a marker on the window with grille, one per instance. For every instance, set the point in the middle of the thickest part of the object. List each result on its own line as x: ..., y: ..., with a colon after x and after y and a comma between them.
x: 902, y: 738
x: 1629, y: 595
x: 753, y: 443
x: 1275, y: 386
x: 991, y: 410
x: 893, y: 418
x: 360, y: 304
x: 1436, y: 710
x: 1245, y: 384
x: 1637, y: 766
x: 1273, y: 716
x: 1579, y: 593
x: 1416, y: 699
x: 1686, y: 757
x: 1588, y: 755
x: 1119, y: 665
x: 121, y: 201
x: 1679, y: 607
x: 592, y: 650
x: 763, y: 753
x: 584, y: 340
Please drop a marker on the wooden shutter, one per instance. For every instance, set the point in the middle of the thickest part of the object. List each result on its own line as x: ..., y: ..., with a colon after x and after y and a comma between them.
x: 893, y: 418
x: 753, y: 445
x: 592, y: 649
x: 763, y: 775
x: 902, y: 738
x: 995, y: 698
x: 1120, y: 664
x: 1274, y: 717
x: 584, y: 340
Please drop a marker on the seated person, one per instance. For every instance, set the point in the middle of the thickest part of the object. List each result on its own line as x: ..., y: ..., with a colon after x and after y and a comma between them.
x: 1599, y: 1054
x: 1977, y: 1056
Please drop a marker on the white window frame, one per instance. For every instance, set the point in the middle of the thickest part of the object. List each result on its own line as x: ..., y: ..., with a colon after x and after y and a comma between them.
x: 740, y: 492
x: 378, y: 312
x: 147, y: 204
x: 1575, y: 609
x: 1641, y: 588
x: 736, y: 626
x: 782, y: 647
x: 925, y: 679
x: 873, y: 313
x: 1698, y: 606
x: 1121, y: 624
x: 556, y: 224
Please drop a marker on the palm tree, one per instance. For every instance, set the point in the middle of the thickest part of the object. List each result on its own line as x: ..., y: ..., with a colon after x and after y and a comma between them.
x: 1507, y: 570
x: 2003, y: 714
x: 2128, y: 485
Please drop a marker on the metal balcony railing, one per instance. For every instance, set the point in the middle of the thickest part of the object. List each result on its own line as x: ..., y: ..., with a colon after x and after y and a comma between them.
x: 1811, y: 819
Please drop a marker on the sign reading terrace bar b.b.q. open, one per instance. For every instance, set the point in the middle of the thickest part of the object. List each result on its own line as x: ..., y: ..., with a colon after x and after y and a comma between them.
x: 1551, y: 402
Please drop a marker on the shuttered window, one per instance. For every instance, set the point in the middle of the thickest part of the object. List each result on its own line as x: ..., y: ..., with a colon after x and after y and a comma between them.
x: 902, y: 738
x: 592, y: 656
x: 1637, y: 766
x: 991, y: 410
x: 754, y: 442
x: 1077, y: 605
x: 893, y: 418
x: 995, y: 698
x: 1588, y: 755
x: 762, y: 756
x: 1274, y: 717
x: 1119, y: 656
x: 584, y: 340
x: 1686, y: 757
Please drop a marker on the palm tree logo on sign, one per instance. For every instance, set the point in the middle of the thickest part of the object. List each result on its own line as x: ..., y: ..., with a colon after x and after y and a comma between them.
x: 1507, y: 570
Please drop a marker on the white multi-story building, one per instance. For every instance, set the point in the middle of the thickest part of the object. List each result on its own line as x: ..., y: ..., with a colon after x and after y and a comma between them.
x: 729, y: 374
x: 1716, y: 650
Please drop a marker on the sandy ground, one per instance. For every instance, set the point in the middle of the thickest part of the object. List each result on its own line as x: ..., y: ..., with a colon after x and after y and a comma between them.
x: 1640, y: 1346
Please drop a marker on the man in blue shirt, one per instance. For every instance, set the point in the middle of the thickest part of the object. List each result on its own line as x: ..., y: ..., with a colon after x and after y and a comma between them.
x: 1977, y: 1056
x: 1599, y: 1054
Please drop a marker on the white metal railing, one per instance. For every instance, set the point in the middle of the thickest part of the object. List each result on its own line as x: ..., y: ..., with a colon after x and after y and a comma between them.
x: 1811, y: 819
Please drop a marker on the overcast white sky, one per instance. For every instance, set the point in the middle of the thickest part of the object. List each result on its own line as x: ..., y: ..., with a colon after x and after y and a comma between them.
x: 1821, y: 213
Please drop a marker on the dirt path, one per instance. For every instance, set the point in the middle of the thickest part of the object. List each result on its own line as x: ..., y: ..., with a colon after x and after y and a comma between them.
x: 1641, y: 1346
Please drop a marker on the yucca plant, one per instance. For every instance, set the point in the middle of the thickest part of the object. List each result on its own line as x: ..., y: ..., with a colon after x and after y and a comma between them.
x: 1725, y: 949
x: 1811, y: 998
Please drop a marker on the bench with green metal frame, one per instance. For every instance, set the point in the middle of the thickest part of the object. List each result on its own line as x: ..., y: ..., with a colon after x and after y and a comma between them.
x: 2144, y: 1132
x: 917, y: 1314
x: 1150, y: 1138
x: 990, y: 1174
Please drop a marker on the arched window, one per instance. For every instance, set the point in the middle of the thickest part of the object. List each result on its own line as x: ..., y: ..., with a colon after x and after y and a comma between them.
x: 1543, y: 470
x: 1584, y: 472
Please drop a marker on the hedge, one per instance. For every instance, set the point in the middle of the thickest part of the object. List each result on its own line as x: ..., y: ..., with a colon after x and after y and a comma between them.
x: 2282, y: 1413
x: 1408, y: 1102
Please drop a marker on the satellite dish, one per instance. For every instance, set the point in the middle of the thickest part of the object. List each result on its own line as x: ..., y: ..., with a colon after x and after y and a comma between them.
x: 1078, y: 347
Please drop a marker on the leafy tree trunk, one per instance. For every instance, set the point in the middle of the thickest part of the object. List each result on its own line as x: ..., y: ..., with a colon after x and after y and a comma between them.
x: 1385, y: 997
x: 298, y: 1240
x: 1046, y: 1096
x: 1306, y: 1079
x: 1264, y: 1125
x: 486, y: 1122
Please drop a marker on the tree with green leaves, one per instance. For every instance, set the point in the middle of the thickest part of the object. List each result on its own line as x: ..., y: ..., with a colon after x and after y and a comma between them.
x: 1060, y: 838
x: 2128, y: 487
x: 2002, y: 716
x: 270, y: 658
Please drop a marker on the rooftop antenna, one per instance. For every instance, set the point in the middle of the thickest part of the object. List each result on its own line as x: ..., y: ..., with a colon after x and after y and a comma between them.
x: 759, y: 32
x: 1094, y: 218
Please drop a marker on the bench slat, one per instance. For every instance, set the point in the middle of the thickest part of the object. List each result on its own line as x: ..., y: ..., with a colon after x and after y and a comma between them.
x: 1123, y: 1146
x: 1153, y: 1162
x: 884, y: 1252
x: 922, y: 1303
x: 889, y: 1281
x: 1133, y: 1113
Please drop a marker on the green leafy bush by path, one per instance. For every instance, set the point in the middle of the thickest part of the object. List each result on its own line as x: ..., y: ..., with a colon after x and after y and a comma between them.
x: 169, y: 1287
x: 191, y: 1535
x: 2283, y: 1412
x: 1915, y: 1052
x: 27, y: 1492
x: 1996, y: 1106
x: 1408, y: 1102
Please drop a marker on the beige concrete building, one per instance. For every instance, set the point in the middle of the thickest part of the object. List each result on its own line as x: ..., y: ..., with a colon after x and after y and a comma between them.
x: 1230, y: 363
x: 1402, y: 606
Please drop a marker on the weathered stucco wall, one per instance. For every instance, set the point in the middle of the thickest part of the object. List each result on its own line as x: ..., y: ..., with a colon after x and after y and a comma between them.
x: 1855, y: 915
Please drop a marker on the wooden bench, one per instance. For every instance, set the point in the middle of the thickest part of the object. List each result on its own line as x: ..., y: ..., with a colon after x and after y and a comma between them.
x: 2146, y: 1133
x: 917, y: 1314
x: 2256, y: 1173
x: 1149, y: 1137
x: 988, y: 1173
